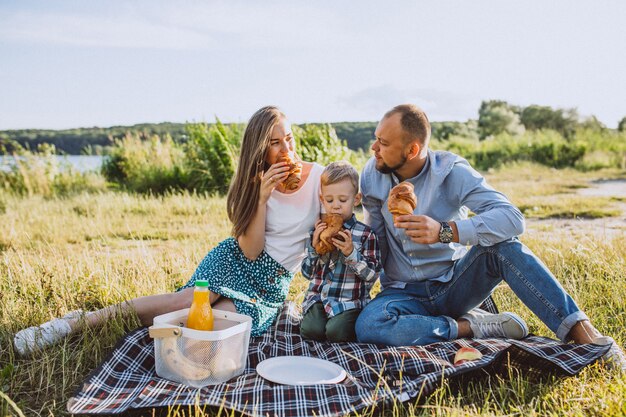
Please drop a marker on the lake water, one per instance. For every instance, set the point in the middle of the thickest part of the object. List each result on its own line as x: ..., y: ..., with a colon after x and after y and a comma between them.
x: 81, y: 163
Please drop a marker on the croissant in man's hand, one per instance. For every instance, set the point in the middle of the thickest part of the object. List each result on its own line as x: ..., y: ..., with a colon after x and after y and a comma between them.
x: 402, y: 199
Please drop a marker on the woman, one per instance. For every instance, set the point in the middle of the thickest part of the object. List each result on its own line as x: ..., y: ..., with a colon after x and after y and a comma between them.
x: 248, y: 273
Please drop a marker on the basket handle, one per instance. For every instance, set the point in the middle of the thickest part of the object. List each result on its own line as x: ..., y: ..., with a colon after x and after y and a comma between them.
x: 160, y: 330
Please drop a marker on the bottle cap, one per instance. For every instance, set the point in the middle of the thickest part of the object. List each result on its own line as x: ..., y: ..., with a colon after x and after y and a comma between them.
x: 202, y: 283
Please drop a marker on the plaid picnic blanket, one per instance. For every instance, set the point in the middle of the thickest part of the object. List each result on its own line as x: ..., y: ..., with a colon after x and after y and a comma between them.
x: 376, y: 375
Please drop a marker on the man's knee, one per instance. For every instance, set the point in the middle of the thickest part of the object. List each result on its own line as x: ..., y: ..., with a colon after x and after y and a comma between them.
x: 369, y: 325
x: 509, y: 245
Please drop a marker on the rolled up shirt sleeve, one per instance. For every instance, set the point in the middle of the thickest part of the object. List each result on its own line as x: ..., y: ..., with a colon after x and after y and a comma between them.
x: 496, y: 219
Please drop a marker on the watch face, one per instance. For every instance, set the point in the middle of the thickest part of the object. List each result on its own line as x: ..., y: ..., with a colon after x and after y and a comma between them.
x: 445, y: 234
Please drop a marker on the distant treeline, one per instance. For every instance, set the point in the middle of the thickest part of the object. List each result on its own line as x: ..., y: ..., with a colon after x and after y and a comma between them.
x: 99, y: 141
x: 495, y: 117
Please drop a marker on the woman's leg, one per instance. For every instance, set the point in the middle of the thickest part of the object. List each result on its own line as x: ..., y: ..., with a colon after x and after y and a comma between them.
x: 146, y: 308
x: 225, y: 304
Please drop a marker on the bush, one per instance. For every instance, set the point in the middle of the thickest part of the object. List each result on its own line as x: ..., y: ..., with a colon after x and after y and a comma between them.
x: 546, y: 147
x: 211, y: 155
x: 44, y: 173
x: 319, y: 143
x: 153, y: 165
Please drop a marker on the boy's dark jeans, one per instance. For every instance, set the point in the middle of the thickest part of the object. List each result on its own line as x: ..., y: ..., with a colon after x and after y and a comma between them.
x: 317, y: 326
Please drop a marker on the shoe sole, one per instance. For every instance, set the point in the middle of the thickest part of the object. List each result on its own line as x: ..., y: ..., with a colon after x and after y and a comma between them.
x: 517, y: 319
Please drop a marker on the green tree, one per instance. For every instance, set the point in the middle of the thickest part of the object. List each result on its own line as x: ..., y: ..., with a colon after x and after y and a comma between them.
x: 563, y: 121
x: 446, y: 130
x: 621, y: 126
x: 592, y: 123
x: 495, y: 117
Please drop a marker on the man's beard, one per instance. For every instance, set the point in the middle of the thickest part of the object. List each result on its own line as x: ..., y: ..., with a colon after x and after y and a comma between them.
x: 386, y: 169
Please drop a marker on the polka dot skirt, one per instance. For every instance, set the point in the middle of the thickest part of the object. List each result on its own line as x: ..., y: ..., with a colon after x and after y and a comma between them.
x: 257, y: 288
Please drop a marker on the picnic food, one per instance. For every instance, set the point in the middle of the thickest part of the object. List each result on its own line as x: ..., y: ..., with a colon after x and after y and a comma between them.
x: 179, y: 364
x: 402, y: 199
x: 334, y: 222
x: 200, y: 314
x: 466, y: 354
x: 295, y: 172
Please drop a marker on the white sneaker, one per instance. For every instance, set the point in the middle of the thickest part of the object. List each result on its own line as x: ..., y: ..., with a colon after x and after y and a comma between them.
x: 485, y: 325
x: 47, y: 334
x: 614, y: 359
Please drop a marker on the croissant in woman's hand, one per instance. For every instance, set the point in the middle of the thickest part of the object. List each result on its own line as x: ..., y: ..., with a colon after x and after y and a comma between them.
x: 334, y: 222
x: 402, y: 199
x: 295, y: 172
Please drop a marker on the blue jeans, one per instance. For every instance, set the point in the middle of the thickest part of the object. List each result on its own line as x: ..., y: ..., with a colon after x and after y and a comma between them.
x: 425, y: 312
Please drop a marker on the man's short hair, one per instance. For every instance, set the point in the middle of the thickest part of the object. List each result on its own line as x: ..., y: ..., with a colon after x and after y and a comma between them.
x: 338, y: 171
x: 414, y: 122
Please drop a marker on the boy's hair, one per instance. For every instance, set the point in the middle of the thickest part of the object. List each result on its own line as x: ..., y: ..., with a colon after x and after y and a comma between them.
x: 338, y: 171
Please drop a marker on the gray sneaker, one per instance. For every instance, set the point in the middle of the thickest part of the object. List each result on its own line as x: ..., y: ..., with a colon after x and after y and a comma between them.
x: 485, y: 325
x: 614, y: 359
x: 47, y: 334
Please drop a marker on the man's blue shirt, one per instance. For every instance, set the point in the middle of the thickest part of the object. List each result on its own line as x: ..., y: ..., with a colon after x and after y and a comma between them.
x: 447, y: 188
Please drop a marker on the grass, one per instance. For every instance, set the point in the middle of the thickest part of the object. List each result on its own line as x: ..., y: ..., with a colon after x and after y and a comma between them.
x: 90, y: 250
x: 544, y: 193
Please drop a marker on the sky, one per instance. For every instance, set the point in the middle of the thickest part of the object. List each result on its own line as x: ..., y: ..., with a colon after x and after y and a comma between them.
x: 66, y: 64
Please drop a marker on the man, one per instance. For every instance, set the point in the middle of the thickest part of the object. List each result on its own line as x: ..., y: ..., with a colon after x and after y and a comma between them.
x: 431, y: 282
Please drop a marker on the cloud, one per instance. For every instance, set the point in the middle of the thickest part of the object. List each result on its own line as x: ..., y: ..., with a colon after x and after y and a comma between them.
x: 125, y: 31
x: 176, y: 25
x: 438, y: 104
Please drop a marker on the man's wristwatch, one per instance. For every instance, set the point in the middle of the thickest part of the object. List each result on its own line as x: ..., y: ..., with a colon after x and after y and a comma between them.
x: 445, y: 233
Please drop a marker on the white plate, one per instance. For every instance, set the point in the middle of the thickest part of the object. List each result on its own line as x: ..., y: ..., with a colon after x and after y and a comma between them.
x: 300, y: 370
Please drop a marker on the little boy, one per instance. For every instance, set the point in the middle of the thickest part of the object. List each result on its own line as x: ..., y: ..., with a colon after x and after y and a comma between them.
x: 340, y: 280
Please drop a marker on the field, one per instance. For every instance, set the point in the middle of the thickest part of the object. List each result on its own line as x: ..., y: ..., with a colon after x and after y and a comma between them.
x: 90, y: 250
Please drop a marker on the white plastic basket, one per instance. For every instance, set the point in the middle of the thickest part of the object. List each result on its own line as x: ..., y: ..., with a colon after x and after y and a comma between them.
x: 199, y: 358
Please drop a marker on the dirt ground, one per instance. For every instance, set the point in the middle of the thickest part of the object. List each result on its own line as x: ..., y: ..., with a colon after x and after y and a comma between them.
x: 608, y: 227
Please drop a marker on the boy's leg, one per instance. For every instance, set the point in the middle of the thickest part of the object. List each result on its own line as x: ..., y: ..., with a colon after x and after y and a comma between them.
x: 340, y: 328
x: 313, y: 325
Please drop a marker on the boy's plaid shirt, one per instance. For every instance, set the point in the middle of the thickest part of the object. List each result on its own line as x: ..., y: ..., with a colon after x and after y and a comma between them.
x: 343, y: 282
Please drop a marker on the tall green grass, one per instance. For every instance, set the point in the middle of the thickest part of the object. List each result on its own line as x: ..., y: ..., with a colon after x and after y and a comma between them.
x: 42, y: 173
x: 90, y: 250
x: 586, y: 150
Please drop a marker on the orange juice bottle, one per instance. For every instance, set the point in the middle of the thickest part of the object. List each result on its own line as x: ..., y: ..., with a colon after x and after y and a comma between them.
x: 200, y: 314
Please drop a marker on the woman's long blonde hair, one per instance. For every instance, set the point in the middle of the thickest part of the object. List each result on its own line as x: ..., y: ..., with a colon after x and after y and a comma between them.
x: 243, y: 195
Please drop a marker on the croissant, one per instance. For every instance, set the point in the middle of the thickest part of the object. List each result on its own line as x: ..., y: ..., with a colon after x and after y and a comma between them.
x: 334, y: 222
x: 295, y: 172
x: 402, y: 199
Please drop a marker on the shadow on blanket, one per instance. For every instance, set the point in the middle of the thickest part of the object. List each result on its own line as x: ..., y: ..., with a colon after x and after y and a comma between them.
x: 376, y: 375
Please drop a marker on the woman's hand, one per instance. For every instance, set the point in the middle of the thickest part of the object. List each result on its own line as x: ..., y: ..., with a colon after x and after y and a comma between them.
x: 276, y: 174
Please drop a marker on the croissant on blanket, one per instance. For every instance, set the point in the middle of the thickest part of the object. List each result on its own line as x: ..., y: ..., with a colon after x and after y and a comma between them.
x: 402, y: 199
x: 295, y: 172
x: 334, y: 223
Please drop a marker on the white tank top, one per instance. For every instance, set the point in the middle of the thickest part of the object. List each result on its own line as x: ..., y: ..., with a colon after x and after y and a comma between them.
x: 290, y: 218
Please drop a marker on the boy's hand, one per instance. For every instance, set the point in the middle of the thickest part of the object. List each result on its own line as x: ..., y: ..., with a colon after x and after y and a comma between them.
x: 344, y: 243
x: 319, y: 227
